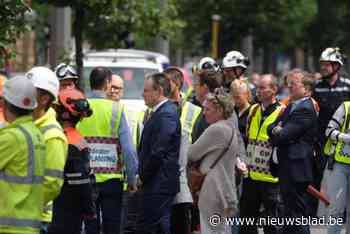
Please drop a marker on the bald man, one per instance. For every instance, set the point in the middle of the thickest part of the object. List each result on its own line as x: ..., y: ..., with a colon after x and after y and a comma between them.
x: 116, y: 90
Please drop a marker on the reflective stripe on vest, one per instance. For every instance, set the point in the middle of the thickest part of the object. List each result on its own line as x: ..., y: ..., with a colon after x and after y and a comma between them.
x: 49, y: 127
x: 342, y: 151
x: 31, y: 178
x: 188, y: 118
x: 52, y: 172
x: 16, y: 222
x: 259, y: 150
x: 114, y: 119
x: 105, y: 154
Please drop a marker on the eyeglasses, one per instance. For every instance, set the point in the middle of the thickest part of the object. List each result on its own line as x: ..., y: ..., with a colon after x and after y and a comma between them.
x: 66, y: 71
x: 116, y: 88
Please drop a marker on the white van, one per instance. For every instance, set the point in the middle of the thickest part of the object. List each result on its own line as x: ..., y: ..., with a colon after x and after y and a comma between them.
x: 132, y: 66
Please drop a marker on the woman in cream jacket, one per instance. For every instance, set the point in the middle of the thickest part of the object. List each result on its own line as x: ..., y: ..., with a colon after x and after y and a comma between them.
x: 218, y: 195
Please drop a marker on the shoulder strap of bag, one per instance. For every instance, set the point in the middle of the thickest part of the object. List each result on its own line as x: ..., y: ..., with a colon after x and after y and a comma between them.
x: 223, y: 152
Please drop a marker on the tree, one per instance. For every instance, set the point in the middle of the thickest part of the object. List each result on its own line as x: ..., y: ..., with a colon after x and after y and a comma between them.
x: 275, y: 24
x: 144, y: 19
x: 330, y: 27
x: 80, y: 7
x: 106, y: 23
x: 13, y: 22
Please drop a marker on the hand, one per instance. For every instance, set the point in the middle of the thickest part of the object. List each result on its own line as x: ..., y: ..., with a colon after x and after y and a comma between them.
x: 241, y: 166
x: 276, y: 130
x: 345, y: 137
x: 138, y: 181
x: 132, y: 188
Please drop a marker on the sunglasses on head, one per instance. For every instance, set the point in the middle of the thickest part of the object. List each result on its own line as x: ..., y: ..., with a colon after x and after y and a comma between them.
x: 216, y: 96
x: 66, y: 70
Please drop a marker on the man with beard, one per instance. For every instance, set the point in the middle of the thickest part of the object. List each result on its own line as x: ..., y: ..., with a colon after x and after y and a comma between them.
x: 234, y: 64
x: 333, y: 89
x: 330, y: 92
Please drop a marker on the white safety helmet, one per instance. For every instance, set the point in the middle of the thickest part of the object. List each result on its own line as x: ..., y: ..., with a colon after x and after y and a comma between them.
x: 332, y: 55
x: 20, y: 92
x: 235, y: 59
x: 44, y: 78
x: 208, y: 63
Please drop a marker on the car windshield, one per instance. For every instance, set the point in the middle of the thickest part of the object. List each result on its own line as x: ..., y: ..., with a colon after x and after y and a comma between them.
x: 133, y: 79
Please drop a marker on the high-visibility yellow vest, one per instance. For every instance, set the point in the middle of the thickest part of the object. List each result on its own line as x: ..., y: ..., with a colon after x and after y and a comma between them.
x: 101, y: 131
x: 189, y: 115
x: 330, y: 146
x: 54, y: 160
x: 259, y: 150
x: 21, y: 180
x: 186, y: 96
x: 342, y: 150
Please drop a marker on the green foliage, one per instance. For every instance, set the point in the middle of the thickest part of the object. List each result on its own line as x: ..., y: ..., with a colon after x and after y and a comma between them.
x: 108, y: 22
x: 12, y: 20
x: 145, y: 19
x: 331, y: 26
x: 14, y: 15
x: 282, y: 23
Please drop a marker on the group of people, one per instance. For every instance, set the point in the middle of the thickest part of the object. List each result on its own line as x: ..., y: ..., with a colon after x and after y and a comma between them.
x: 292, y: 140
x: 71, y: 163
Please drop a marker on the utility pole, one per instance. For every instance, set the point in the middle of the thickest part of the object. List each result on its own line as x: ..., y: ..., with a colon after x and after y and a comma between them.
x: 61, y: 31
x: 162, y: 45
x: 215, y: 36
x: 248, y: 51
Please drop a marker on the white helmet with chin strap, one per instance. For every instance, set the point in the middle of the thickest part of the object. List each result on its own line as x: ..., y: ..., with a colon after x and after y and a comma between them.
x: 235, y: 59
x: 332, y: 55
x: 208, y: 63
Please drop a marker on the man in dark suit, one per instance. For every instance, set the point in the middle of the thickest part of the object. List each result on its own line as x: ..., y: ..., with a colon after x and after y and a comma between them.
x: 159, y: 156
x: 293, y: 133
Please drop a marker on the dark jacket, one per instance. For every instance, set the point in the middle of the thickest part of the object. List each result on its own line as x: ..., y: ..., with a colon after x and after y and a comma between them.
x: 329, y: 98
x: 77, y: 192
x: 199, y: 127
x: 159, y: 151
x: 295, y: 143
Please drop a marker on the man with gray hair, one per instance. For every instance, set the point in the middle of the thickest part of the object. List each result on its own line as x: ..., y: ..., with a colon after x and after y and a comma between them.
x: 116, y: 89
x: 261, y: 187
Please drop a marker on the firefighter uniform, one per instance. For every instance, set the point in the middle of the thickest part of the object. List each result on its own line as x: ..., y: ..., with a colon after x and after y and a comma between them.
x: 75, y: 200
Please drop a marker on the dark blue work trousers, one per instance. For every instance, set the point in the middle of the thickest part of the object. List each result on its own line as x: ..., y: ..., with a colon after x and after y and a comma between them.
x: 109, y: 196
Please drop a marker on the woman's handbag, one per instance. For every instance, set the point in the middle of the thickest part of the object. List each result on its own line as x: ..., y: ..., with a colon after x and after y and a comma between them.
x: 196, y: 178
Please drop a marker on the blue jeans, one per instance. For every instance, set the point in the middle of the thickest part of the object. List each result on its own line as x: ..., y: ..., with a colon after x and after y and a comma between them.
x: 109, y: 205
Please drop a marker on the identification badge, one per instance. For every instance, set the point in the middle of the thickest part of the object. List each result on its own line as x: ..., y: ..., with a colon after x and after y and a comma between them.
x: 103, y: 154
x: 259, y: 153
